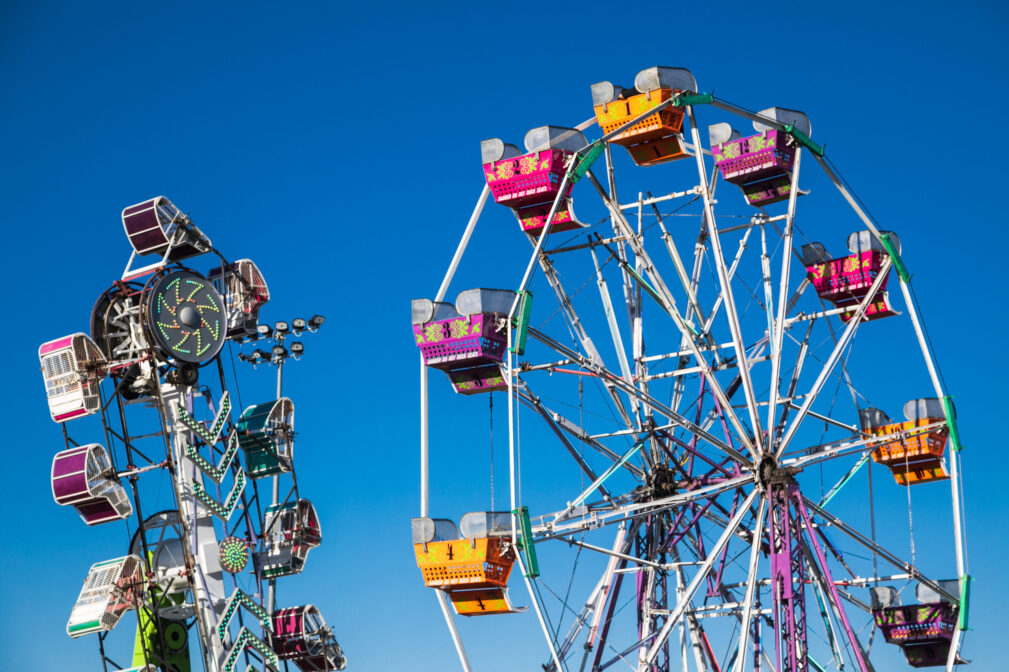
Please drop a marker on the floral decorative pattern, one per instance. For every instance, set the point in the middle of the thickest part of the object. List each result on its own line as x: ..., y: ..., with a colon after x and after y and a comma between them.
x: 757, y: 143
x: 528, y: 164
x: 459, y: 328
x: 505, y: 170
x: 433, y: 333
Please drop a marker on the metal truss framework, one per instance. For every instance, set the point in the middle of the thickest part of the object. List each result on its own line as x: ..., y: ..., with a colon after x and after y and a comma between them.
x: 717, y: 478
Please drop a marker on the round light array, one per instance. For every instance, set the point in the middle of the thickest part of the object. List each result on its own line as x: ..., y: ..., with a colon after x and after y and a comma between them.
x: 186, y: 317
x: 234, y: 554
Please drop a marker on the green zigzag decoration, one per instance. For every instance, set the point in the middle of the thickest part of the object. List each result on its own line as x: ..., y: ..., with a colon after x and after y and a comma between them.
x: 217, y: 473
x: 222, y: 511
x: 248, y: 640
x: 237, y: 600
x: 214, y: 433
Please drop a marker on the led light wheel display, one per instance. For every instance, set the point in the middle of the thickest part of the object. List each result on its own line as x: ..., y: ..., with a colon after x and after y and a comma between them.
x: 234, y: 555
x: 185, y: 317
x: 703, y: 469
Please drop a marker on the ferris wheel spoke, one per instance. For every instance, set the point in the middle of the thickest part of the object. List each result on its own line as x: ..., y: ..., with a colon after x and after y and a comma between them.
x: 684, y: 600
x: 895, y: 560
x: 835, y: 354
x: 740, y: 249
x: 843, y: 448
x: 822, y: 573
x: 822, y: 453
x: 533, y: 403
x: 751, y: 586
x: 665, y: 298
x: 695, y: 279
x: 726, y: 289
x: 598, y: 482
x: 777, y: 326
x: 689, y: 282
x: 644, y: 398
x: 611, y: 321
x: 800, y: 360
x: 597, y: 518
x: 845, y: 377
x: 575, y: 323
x: 558, y: 421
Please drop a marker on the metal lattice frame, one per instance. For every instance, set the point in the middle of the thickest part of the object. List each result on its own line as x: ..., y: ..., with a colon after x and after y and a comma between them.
x: 156, y: 419
x: 729, y: 453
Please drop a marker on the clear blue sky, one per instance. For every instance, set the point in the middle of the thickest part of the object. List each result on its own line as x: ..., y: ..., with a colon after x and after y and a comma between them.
x: 338, y: 146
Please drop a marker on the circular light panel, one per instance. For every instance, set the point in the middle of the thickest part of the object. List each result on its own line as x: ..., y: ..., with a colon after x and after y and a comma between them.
x: 234, y: 555
x: 186, y: 317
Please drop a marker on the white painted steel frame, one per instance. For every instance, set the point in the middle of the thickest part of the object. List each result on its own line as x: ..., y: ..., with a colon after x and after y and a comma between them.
x: 778, y: 323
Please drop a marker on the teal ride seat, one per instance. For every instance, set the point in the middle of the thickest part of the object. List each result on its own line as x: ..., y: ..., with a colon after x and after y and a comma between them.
x: 266, y: 435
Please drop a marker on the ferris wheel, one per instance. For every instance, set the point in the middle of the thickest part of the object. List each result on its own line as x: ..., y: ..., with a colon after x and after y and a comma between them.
x: 708, y: 467
x: 201, y: 563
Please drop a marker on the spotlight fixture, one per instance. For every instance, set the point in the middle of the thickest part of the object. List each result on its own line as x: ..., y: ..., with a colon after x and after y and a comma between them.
x: 298, y: 324
x: 279, y: 351
x: 316, y: 321
x: 260, y: 354
x: 264, y: 330
x: 297, y: 348
x: 281, y: 327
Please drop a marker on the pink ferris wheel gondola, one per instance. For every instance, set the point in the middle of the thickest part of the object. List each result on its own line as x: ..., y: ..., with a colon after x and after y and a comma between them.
x: 72, y: 367
x: 84, y: 478
x: 466, y: 340
x: 529, y: 183
x: 845, y: 281
x: 302, y: 636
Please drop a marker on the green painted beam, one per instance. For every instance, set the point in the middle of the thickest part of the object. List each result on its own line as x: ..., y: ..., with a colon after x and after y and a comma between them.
x: 954, y: 432
x: 585, y: 161
x: 527, y: 545
x: 685, y: 99
x: 964, y: 600
x: 804, y: 140
x: 898, y: 263
x: 522, y: 322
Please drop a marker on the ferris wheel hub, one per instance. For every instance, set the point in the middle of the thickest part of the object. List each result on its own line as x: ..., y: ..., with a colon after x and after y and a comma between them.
x: 661, y: 483
x: 769, y: 473
x: 190, y: 317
